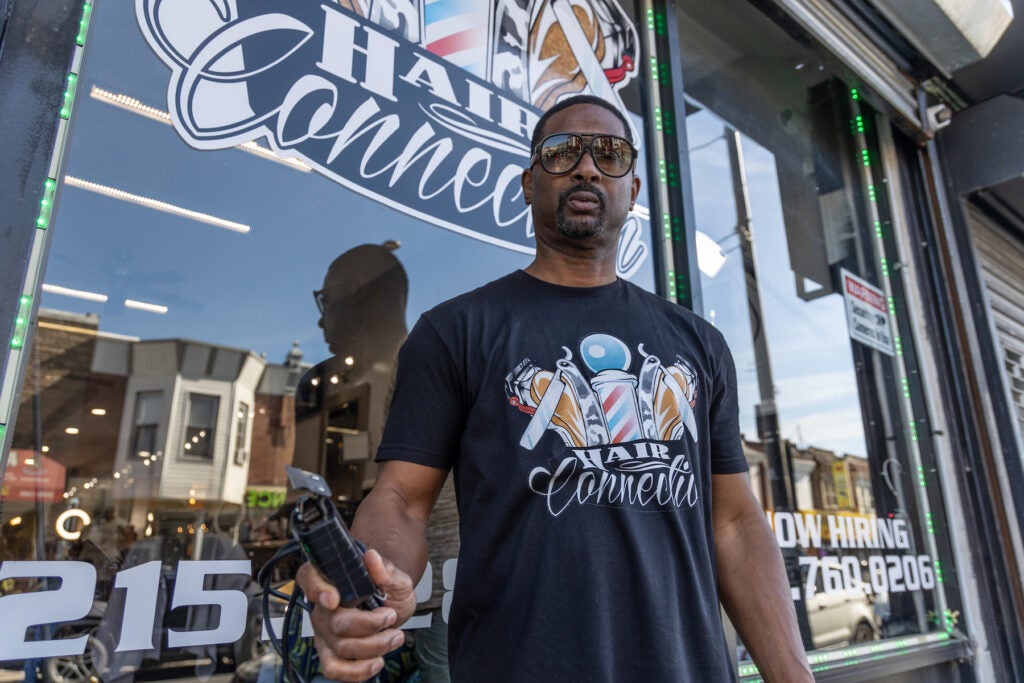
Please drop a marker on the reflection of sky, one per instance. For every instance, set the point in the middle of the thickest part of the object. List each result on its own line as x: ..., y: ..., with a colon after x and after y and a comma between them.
x: 808, y: 342
x: 251, y: 290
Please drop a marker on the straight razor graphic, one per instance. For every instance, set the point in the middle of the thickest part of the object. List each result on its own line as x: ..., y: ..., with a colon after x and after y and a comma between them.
x: 545, y: 411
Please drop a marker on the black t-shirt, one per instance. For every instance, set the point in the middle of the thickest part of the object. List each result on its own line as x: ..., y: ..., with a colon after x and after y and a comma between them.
x: 583, y: 425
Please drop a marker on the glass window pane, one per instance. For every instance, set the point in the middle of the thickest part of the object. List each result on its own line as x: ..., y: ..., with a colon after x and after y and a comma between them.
x: 201, y: 427
x: 793, y: 247
x: 242, y: 416
x: 187, y: 246
x: 148, y: 407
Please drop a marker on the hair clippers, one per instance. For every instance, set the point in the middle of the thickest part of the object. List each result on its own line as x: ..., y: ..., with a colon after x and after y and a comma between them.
x: 327, y: 544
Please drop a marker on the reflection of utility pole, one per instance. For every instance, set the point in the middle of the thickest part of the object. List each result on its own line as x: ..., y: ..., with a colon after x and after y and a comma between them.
x: 779, y: 461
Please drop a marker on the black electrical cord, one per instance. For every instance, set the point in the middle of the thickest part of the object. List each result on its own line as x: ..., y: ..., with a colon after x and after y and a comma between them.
x: 282, y: 645
x: 321, y: 535
x: 291, y: 672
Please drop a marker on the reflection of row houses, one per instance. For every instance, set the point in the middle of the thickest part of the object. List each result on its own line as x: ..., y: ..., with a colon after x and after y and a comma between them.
x: 822, y: 480
x: 186, y: 430
x: 182, y: 423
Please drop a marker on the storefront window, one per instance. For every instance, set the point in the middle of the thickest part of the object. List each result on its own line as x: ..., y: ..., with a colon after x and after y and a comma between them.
x: 797, y: 271
x: 228, y: 159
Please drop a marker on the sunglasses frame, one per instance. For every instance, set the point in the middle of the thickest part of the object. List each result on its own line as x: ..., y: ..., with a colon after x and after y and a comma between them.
x: 588, y: 146
x: 318, y: 296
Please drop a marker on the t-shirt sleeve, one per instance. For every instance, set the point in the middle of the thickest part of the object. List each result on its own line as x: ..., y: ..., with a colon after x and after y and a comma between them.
x: 726, y: 447
x: 428, y: 407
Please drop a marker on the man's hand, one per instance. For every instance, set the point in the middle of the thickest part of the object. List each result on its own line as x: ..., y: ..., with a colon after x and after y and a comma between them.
x: 352, y: 642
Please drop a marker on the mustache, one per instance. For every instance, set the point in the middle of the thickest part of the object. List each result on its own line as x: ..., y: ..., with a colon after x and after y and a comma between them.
x: 563, y: 198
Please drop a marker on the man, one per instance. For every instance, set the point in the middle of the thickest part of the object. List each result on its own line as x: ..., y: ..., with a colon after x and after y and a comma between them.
x: 604, y: 504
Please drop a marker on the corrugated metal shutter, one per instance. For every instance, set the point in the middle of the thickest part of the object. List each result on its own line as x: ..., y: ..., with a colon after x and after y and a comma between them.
x: 1001, y: 259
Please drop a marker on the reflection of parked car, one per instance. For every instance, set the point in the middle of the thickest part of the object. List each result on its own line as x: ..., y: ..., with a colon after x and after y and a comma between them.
x: 102, y: 662
x: 841, y: 617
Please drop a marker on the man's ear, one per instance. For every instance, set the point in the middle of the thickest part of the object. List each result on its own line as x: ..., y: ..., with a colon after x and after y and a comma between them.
x: 527, y: 181
x: 634, y: 192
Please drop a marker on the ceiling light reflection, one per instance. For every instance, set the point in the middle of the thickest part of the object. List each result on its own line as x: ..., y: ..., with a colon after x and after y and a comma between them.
x: 143, y: 306
x: 136, y: 107
x: 76, y: 293
x: 149, y: 203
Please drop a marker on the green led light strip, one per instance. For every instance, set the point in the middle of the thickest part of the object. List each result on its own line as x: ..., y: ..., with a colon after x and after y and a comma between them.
x: 21, y: 322
x: 83, y: 24
x: 851, y: 656
x: 17, y: 359
x: 860, y: 123
x: 69, y: 95
x: 46, y: 204
x: 667, y: 172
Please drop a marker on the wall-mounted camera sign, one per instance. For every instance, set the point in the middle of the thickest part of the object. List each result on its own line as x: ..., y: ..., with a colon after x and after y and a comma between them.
x: 867, y: 313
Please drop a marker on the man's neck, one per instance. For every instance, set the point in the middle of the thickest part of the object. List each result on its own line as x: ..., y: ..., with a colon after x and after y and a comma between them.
x: 572, y: 271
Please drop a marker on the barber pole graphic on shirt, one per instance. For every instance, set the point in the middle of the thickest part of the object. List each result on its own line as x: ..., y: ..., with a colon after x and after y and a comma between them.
x: 619, y: 401
x: 622, y: 432
x: 613, y: 406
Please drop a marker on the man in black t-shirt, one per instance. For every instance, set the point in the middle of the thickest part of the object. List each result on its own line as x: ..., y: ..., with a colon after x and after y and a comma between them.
x: 592, y: 431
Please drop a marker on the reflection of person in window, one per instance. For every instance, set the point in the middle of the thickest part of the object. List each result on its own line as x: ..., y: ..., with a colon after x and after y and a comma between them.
x: 362, y: 313
x: 342, y: 400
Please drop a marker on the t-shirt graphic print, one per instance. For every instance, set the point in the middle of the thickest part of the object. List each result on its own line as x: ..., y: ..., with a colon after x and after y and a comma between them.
x: 583, y: 428
x: 613, y: 423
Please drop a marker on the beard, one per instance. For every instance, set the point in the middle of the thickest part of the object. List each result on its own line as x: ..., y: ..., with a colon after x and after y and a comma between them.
x: 585, y: 227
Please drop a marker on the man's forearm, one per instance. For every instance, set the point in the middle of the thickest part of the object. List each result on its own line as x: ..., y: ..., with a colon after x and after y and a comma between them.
x: 382, y: 523
x: 755, y: 592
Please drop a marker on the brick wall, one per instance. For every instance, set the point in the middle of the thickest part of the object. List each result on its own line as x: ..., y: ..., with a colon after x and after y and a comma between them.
x: 273, y: 440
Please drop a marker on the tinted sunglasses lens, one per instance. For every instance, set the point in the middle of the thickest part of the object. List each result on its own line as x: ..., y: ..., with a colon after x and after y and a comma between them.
x: 614, y: 156
x: 319, y: 298
x: 560, y: 153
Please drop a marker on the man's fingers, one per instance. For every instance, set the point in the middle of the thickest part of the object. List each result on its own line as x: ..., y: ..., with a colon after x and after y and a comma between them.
x: 352, y: 641
x: 385, y: 574
x: 350, y: 622
x: 356, y: 659
x: 316, y: 587
x: 370, y: 647
x: 337, y: 668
